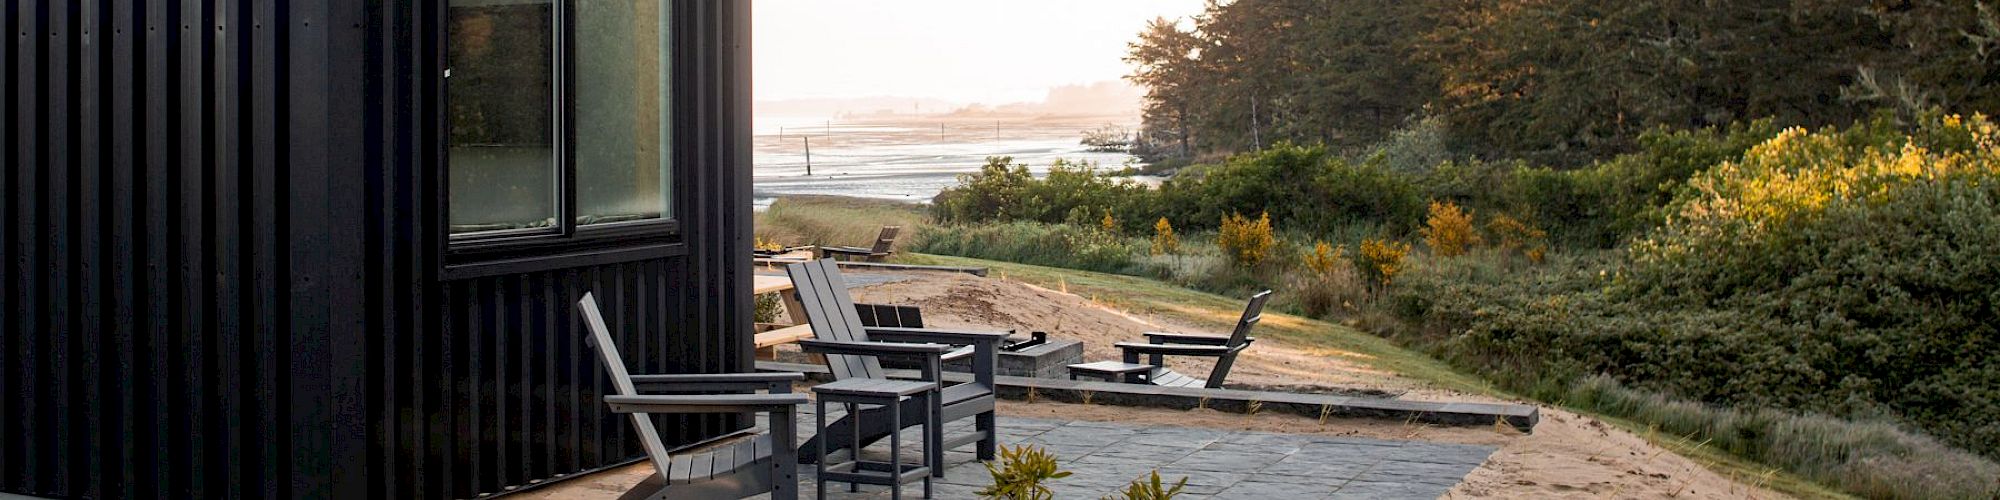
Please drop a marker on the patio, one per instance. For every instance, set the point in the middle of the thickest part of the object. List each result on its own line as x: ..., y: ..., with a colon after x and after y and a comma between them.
x: 1104, y: 457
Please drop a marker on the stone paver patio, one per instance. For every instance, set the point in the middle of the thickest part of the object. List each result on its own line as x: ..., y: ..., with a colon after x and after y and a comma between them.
x: 1104, y: 457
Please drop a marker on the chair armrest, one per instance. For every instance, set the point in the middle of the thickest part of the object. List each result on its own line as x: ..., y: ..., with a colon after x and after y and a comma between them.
x: 985, y: 347
x: 776, y: 383
x: 936, y: 336
x: 900, y: 349
x: 1173, y: 349
x: 722, y: 403
x: 847, y: 250
x: 1193, y: 339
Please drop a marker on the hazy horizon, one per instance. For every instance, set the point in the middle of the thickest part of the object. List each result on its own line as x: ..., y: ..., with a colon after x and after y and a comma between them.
x: 924, y: 54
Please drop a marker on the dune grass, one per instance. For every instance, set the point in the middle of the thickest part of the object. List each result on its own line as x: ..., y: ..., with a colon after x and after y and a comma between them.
x: 835, y: 221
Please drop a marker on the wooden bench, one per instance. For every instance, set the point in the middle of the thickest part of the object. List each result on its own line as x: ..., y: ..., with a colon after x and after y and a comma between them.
x: 782, y: 336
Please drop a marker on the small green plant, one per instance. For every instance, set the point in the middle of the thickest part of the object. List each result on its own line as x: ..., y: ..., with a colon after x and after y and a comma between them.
x: 1246, y: 241
x: 1021, y: 474
x: 1150, y: 489
x: 768, y: 307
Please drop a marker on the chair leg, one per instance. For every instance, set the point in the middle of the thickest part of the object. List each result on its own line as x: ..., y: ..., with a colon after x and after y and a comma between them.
x: 988, y: 445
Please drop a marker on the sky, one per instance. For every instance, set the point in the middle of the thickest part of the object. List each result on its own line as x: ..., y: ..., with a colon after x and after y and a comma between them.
x: 963, y: 51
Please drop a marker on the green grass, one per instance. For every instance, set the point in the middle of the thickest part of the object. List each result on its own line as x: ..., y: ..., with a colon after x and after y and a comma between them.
x: 835, y: 221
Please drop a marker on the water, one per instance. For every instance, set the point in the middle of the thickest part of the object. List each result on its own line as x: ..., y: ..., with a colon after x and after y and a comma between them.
x: 907, y: 159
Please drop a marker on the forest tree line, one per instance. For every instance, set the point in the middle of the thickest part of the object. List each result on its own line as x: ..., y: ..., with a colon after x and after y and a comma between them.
x: 1552, y: 82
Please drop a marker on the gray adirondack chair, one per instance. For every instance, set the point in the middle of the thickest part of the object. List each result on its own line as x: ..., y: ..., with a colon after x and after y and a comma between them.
x: 749, y: 467
x: 884, y: 246
x: 852, y: 350
x: 1159, y: 345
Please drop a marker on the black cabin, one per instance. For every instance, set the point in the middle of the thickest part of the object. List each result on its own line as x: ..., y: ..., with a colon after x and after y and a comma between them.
x: 329, y: 248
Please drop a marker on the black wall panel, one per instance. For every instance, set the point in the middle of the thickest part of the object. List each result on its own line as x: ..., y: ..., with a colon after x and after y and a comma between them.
x: 222, y: 271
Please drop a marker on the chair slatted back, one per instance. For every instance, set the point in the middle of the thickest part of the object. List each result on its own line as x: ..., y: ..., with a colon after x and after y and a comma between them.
x: 1251, y: 315
x: 890, y: 316
x: 1238, y: 339
x: 830, y: 311
x: 621, y: 380
x: 886, y: 240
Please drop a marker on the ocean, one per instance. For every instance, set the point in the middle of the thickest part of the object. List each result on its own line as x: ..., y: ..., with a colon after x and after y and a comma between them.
x: 908, y: 158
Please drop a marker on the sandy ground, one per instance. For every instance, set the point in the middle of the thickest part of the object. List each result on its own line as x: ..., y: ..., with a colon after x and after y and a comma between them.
x: 1567, y: 456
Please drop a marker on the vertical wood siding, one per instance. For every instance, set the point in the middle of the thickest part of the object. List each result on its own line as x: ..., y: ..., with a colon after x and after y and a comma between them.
x: 220, y: 266
x: 166, y: 269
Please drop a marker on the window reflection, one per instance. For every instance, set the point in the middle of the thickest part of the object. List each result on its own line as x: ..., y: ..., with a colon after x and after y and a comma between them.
x: 501, y: 90
x: 621, y: 123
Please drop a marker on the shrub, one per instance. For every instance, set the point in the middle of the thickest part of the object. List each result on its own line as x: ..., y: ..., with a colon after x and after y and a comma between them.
x: 1164, y: 240
x: 1248, y: 242
x: 1108, y: 223
x: 1150, y: 489
x: 764, y: 245
x: 1856, y: 275
x: 1325, y: 259
x: 1307, y: 188
x: 1557, y: 334
x: 1449, y: 230
x: 1416, y: 148
x: 1055, y: 245
x: 1518, y: 237
x: 1329, y: 283
x: 1380, y: 260
x: 1003, y: 191
x: 1021, y: 473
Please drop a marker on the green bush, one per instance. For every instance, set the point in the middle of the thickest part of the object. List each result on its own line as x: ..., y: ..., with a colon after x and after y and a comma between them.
x: 1861, y: 273
x: 1561, y: 334
x: 1054, y: 245
x: 1003, y: 191
x: 1307, y: 188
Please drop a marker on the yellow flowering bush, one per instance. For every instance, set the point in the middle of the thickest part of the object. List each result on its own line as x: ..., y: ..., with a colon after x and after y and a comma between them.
x: 1246, y: 241
x: 1448, y: 230
x: 1164, y: 240
x: 1515, y: 236
x: 1381, y: 260
x: 1325, y: 259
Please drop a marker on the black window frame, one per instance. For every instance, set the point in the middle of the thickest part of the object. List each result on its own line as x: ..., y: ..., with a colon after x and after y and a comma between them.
x: 569, y: 243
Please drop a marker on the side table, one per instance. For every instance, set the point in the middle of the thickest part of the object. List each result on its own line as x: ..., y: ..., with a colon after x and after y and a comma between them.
x: 1110, y: 371
x: 854, y: 392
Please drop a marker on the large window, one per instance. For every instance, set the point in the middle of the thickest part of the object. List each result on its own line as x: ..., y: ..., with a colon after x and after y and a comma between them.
x: 558, y: 115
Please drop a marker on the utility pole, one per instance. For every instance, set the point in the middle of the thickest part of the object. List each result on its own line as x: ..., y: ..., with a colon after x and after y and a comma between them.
x: 809, y: 155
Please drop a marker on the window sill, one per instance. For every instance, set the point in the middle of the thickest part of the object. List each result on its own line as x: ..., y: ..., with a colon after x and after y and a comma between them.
x: 591, y: 246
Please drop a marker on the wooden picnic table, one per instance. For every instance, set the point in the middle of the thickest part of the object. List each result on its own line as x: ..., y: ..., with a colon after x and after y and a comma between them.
x: 767, y: 342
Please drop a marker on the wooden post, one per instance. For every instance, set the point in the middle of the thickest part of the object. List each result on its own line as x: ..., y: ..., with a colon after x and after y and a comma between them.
x: 809, y: 155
